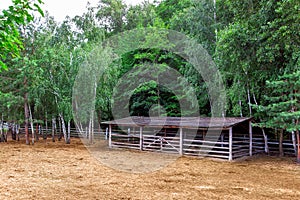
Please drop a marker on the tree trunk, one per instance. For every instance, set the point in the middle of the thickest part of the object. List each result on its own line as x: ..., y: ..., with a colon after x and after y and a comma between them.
x: 294, y: 142
x: 31, y: 125
x: 17, y: 132
x: 1, y: 130
x: 249, y: 100
x: 263, y: 131
x: 89, y: 132
x: 5, y: 135
x: 266, y: 141
x: 26, y: 109
x: 13, y: 132
x: 60, y: 128
x: 46, y: 132
x: 63, y: 125
x: 281, y: 142
x: 240, y: 102
x: 53, y: 129
x: 298, y: 144
x: 68, y: 141
x: 37, y: 132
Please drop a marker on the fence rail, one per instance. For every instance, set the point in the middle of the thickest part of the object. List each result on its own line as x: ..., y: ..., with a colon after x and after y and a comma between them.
x: 198, y: 147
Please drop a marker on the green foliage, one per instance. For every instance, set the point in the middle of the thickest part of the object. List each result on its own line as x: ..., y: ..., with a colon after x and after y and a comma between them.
x: 282, y: 107
x: 111, y: 15
x: 255, y: 47
x: 196, y: 19
x: 141, y: 15
x: 10, y: 20
x: 168, y: 9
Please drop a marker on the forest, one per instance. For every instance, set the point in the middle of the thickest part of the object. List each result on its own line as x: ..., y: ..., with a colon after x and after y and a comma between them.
x: 255, y: 45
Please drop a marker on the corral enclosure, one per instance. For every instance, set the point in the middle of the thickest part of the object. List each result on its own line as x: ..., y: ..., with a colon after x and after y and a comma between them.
x: 54, y: 170
x: 226, y: 138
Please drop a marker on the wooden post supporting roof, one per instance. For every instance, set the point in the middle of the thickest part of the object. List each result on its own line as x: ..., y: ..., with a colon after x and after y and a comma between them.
x: 141, y: 138
x: 250, y: 138
x: 230, y: 144
x: 109, y: 136
x: 180, y: 141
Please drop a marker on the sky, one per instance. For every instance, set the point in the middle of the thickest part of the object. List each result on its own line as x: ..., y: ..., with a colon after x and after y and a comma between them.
x: 61, y: 8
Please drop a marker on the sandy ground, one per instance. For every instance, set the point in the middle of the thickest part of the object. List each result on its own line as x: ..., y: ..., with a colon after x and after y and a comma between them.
x: 49, y: 170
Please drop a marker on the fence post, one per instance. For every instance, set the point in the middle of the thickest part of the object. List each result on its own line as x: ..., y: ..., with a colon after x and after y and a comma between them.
x: 230, y: 144
x: 181, y: 142
x: 109, y: 136
x: 141, y: 138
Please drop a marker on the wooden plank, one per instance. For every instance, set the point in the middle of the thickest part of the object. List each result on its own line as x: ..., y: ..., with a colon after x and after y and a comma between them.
x: 151, y: 136
x: 241, y: 141
x: 207, y: 151
x: 208, y: 155
x: 125, y: 136
x: 204, y: 141
x: 124, y: 144
x: 205, y: 146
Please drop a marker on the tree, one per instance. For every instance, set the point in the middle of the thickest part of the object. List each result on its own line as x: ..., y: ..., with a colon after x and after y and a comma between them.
x: 10, y: 20
x: 282, y: 108
x: 142, y: 15
x: 111, y: 15
x: 258, y: 45
x: 168, y: 9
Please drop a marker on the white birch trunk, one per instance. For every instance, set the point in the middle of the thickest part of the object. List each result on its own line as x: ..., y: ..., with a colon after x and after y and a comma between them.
x: 31, y: 124
x: 294, y: 142
x: 46, y: 132
x: 298, y: 148
x: 266, y: 141
x: 263, y: 131
x: 69, y: 132
x: 92, y: 129
x: 53, y: 129
x: 60, y: 127
x: 240, y: 102
x: 63, y: 126
x: 249, y: 102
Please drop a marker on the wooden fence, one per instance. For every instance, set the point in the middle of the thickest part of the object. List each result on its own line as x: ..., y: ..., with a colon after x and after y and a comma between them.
x: 197, y: 147
x: 192, y: 147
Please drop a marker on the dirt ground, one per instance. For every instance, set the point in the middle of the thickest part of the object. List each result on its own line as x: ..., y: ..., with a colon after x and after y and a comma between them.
x: 49, y: 170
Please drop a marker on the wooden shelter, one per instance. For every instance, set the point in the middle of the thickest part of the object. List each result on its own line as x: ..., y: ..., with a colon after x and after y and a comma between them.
x: 227, y: 138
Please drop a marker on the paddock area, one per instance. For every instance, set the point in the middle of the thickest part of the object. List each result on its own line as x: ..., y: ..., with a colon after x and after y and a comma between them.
x: 48, y: 170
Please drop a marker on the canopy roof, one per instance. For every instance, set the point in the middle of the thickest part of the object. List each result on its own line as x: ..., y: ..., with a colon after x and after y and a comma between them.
x: 176, y: 122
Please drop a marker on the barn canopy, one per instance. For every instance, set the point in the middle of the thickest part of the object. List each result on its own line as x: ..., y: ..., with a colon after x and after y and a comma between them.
x: 177, y: 122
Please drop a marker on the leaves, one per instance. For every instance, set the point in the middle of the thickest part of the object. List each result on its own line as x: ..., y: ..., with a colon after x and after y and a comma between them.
x: 16, y: 15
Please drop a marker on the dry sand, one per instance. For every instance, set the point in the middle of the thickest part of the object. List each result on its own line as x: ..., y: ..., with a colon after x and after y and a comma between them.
x: 50, y: 170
